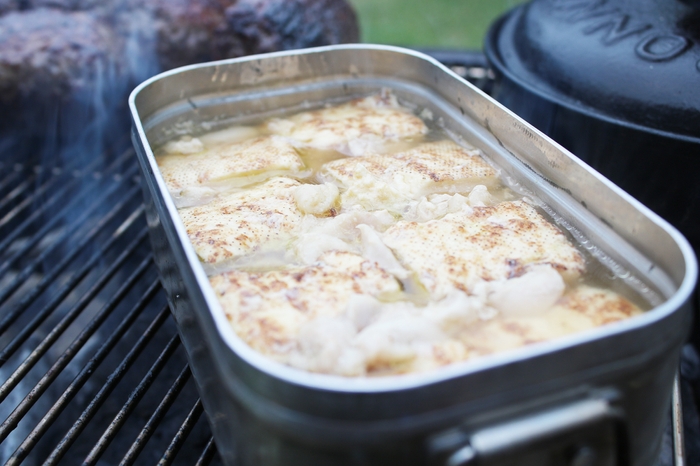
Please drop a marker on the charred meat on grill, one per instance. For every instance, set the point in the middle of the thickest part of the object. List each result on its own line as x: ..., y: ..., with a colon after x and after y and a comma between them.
x: 181, y: 32
x: 46, y: 52
x: 189, y: 31
x: 269, y: 25
x: 68, y: 65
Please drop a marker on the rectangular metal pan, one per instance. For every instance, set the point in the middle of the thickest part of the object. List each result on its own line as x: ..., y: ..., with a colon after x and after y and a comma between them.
x: 597, y: 397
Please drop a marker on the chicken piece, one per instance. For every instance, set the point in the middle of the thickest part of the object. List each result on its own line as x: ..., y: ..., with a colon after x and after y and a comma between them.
x: 355, y: 128
x: 393, y: 181
x: 436, y: 206
x: 191, y: 168
x: 489, y: 243
x: 259, y: 220
x: 317, y: 199
x: 532, y: 293
x: 375, y: 337
x: 582, y: 308
x: 335, y: 233
x: 400, y: 337
x: 373, y: 248
x: 267, y: 310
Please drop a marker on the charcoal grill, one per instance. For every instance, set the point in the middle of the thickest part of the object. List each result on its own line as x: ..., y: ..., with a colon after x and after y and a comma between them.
x: 91, y: 366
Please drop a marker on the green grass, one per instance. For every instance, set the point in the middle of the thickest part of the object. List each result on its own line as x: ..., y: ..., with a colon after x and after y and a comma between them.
x: 428, y: 23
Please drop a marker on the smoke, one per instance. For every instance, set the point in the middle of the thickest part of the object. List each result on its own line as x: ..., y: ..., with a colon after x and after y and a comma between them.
x: 66, y: 70
x: 67, y: 66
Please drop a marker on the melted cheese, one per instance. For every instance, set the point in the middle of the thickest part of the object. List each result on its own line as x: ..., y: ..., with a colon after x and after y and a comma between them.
x: 392, y: 181
x: 237, y: 224
x: 487, y: 243
x: 387, y: 262
x: 354, y: 128
x: 269, y: 309
x: 194, y: 178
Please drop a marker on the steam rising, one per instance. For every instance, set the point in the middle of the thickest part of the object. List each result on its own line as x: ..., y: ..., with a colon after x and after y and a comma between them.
x: 67, y: 66
x: 66, y: 69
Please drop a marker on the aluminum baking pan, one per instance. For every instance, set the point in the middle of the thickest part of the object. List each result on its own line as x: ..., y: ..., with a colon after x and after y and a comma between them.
x: 600, y: 396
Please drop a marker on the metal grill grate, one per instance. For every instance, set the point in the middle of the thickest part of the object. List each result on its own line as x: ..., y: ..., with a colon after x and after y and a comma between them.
x: 91, y: 367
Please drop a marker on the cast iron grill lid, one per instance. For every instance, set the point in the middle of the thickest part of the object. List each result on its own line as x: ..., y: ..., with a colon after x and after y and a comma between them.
x: 91, y: 367
x: 615, y: 82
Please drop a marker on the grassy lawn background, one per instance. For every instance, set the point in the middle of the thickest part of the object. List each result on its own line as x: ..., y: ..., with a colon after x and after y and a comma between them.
x: 428, y: 23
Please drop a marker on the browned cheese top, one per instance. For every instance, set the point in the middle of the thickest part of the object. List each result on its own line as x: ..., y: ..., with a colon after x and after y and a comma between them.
x: 354, y: 128
x: 391, y: 181
x: 350, y: 240
x: 243, y: 222
x: 489, y: 243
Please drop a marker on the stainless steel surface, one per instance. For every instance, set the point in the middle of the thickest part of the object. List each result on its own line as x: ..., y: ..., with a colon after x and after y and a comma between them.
x: 586, y: 429
x: 278, y: 415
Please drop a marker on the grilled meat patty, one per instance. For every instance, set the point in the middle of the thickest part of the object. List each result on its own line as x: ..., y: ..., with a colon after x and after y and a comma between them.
x: 55, y: 54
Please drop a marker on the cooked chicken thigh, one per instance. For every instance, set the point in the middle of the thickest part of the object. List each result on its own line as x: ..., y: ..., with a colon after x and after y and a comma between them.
x: 194, y: 173
x: 486, y: 243
x: 391, y: 181
x: 356, y: 128
x: 260, y: 220
x: 268, y: 309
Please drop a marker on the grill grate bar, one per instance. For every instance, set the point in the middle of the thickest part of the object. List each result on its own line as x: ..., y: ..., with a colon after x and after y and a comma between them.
x: 48, y: 201
x: 12, y: 315
x: 9, y: 178
x: 84, y: 375
x: 182, y: 434
x: 76, y: 166
x: 131, y: 403
x: 77, y: 344
x: 207, y: 454
x: 53, y: 335
x: 107, y: 388
x: 85, y: 239
x: 24, y: 204
x: 156, y: 417
x: 48, y: 226
x: 8, y: 192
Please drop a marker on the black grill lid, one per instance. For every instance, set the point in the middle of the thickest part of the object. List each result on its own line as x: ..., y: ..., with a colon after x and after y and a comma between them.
x: 633, y: 61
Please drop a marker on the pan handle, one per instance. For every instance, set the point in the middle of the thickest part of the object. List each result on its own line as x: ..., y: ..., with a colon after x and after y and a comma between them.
x: 581, y: 433
x: 677, y: 420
